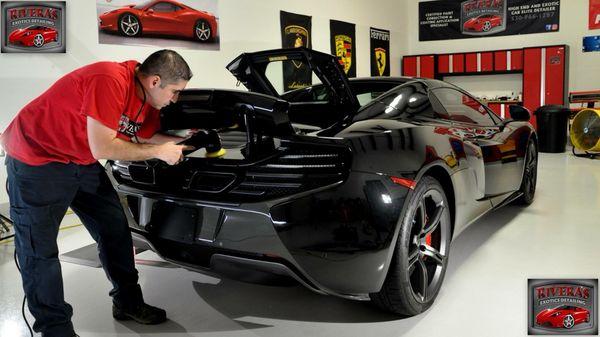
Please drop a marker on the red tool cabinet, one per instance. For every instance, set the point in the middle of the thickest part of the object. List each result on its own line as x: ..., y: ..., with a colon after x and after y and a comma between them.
x: 544, y: 69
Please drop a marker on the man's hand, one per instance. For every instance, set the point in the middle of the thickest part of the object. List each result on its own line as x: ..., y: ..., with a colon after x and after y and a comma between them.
x: 104, y: 144
x: 171, y: 153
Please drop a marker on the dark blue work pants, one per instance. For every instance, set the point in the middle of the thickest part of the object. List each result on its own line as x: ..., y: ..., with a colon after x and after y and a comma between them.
x: 39, y: 197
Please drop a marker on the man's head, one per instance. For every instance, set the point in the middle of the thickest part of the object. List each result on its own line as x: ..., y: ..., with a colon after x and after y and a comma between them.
x: 163, y: 75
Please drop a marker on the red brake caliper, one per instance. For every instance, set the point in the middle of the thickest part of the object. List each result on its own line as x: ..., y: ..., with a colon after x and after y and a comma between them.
x: 428, y: 236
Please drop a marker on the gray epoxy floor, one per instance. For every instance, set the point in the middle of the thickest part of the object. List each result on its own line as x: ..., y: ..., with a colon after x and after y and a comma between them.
x: 484, y: 292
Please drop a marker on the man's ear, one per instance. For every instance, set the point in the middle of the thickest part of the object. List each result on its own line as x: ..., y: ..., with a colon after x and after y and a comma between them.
x: 154, y: 81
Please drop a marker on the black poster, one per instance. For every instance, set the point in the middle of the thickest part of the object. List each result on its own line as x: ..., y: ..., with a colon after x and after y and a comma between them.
x: 343, y: 45
x: 295, y: 32
x: 380, y: 52
x: 446, y: 20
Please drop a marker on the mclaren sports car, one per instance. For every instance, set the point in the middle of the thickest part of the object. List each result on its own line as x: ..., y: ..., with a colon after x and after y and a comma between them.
x: 161, y: 17
x: 353, y: 188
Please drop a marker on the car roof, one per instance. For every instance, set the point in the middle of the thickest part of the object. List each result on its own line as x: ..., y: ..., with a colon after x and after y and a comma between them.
x: 428, y: 82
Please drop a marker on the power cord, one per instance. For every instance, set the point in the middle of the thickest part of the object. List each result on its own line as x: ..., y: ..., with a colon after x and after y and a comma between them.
x: 19, y: 269
x: 24, y: 297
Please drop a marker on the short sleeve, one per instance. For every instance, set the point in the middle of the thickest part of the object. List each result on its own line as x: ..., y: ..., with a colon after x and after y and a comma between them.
x: 150, y: 125
x: 104, y: 100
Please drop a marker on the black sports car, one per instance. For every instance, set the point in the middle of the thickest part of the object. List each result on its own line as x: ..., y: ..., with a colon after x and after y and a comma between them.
x: 360, y: 202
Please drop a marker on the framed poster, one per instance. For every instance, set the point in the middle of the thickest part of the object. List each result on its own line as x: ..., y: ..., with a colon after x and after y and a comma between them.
x: 187, y: 24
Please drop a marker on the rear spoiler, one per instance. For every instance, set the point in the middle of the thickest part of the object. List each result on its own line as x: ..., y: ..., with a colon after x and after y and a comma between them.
x: 249, y: 69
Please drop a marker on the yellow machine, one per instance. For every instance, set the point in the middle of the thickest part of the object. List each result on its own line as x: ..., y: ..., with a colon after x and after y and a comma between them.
x: 585, y: 132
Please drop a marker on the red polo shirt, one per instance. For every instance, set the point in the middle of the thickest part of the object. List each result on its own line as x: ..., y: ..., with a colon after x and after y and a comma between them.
x: 53, y: 127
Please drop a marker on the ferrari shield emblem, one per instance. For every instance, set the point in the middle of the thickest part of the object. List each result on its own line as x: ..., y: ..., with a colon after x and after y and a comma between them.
x: 380, y: 56
x: 297, y: 36
x: 343, y: 50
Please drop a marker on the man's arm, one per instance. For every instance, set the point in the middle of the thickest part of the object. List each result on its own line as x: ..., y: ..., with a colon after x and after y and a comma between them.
x: 104, y: 144
x: 159, y: 138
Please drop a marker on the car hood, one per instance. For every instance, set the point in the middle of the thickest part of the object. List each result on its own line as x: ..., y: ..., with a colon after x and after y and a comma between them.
x: 545, y: 314
x: 118, y: 10
x: 249, y: 69
x: 19, y: 33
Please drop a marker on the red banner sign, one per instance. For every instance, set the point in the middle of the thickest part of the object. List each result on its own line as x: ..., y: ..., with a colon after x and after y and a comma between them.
x: 594, y: 14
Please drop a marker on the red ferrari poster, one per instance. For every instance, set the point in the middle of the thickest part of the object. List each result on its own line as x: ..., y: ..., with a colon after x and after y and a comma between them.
x: 188, y: 24
x: 594, y: 14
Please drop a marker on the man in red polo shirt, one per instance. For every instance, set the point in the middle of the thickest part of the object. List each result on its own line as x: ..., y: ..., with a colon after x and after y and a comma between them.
x: 105, y: 110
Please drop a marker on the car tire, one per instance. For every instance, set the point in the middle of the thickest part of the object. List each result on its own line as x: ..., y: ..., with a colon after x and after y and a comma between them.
x: 38, y: 41
x: 129, y: 25
x: 420, y: 256
x: 529, y: 179
x: 203, y: 32
x: 568, y: 322
x: 487, y: 26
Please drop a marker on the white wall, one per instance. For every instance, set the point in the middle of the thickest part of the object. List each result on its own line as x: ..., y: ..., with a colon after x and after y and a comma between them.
x: 245, y: 25
x: 584, y: 68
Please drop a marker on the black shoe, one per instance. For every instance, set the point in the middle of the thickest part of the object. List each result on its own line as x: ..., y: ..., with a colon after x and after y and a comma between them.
x: 143, y: 313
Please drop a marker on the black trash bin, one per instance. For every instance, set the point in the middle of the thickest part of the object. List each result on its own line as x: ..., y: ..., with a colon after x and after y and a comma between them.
x: 552, y: 121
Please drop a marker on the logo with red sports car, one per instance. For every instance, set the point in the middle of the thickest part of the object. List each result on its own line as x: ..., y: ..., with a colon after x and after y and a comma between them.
x: 31, y: 27
x: 483, y: 17
x: 563, y: 307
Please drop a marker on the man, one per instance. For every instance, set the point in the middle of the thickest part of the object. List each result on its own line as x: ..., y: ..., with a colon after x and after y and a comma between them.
x: 105, y: 110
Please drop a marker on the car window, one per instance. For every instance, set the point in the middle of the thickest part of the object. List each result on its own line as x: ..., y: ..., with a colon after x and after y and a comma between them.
x: 164, y: 7
x: 365, y: 92
x: 409, y: 100
x: 462, y: 107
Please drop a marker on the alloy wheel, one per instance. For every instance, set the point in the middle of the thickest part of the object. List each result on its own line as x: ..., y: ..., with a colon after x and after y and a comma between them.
x: 568, y: 322
x: 428, y: 248
x: 130, y: 25
x: 38, y: 40
x: 530, y: 175
x: 487, y: 26
x: 203, y: 32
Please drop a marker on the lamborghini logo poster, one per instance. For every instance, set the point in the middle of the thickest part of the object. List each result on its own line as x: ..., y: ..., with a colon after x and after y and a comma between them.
x: 380, y: 48
x: 446, y: 20
x: 343, y: 45
x: 295, y: 32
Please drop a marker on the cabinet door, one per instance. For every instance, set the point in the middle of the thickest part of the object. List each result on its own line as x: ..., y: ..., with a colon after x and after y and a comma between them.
x: 409, y: 66
x: 533, y: 96
x: 516, y: 59
x: 458, y: 63
x: 500, y: 61
x: 471, y: 62
x: 486, y: 62
x: 555, y: 76
x: 427, y: 65
x: 444, y: 64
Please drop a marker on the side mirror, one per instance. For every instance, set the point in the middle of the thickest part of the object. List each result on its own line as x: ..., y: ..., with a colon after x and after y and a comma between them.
x: 519, y: 113
x: 150, y: 11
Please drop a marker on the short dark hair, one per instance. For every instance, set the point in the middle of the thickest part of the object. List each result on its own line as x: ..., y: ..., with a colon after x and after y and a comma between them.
x: 167, y: 64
